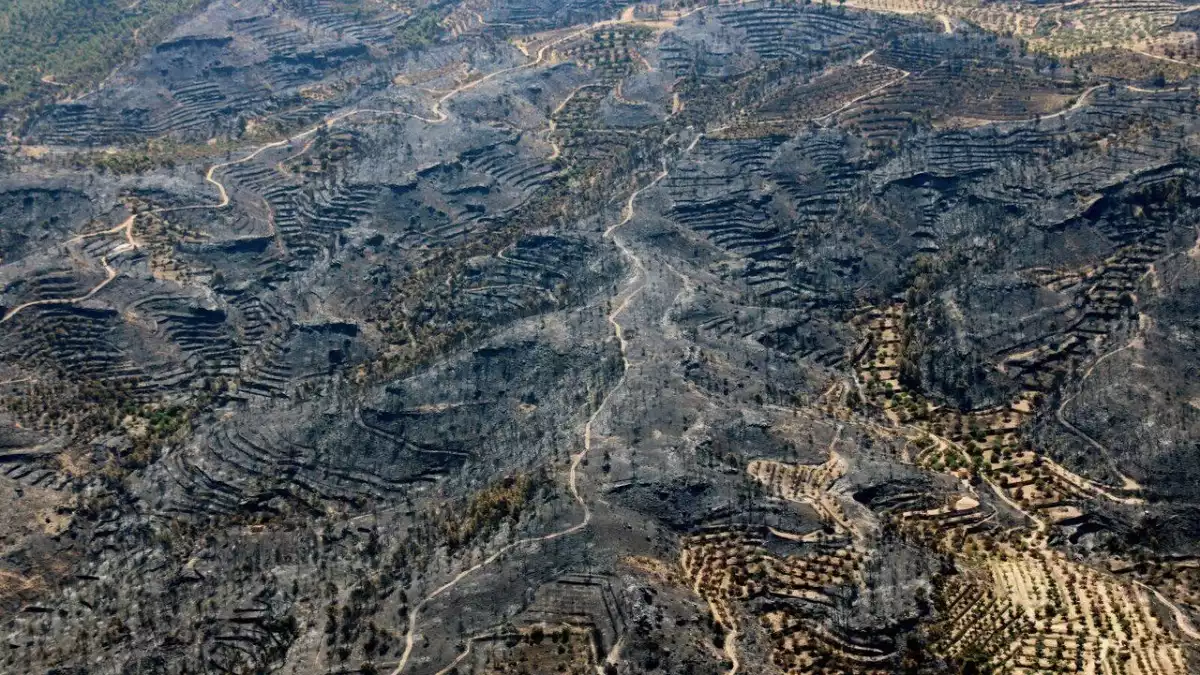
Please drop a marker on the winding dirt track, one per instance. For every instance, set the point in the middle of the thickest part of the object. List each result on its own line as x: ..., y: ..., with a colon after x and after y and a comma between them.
x: 110, y: 272
x: 223, y: 194
x: 556, y: 150
x: 632, y: 289
x: 108, y: 269
x: 1181, y: 618
x: 1129, y: 483
x: 856, y: 99
x: 1160, y: 57
x: 1080, y: 101
x: 729, y: 646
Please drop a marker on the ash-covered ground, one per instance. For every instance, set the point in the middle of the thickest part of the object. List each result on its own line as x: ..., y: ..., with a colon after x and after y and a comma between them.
x: 585, y: 337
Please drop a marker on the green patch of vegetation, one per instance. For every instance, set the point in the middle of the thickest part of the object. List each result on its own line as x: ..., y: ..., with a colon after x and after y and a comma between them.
x: 153, y: 154
x: 499, y: 503
x: 165, y: 421
x: 421, y: 29
x: 69, y: 44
